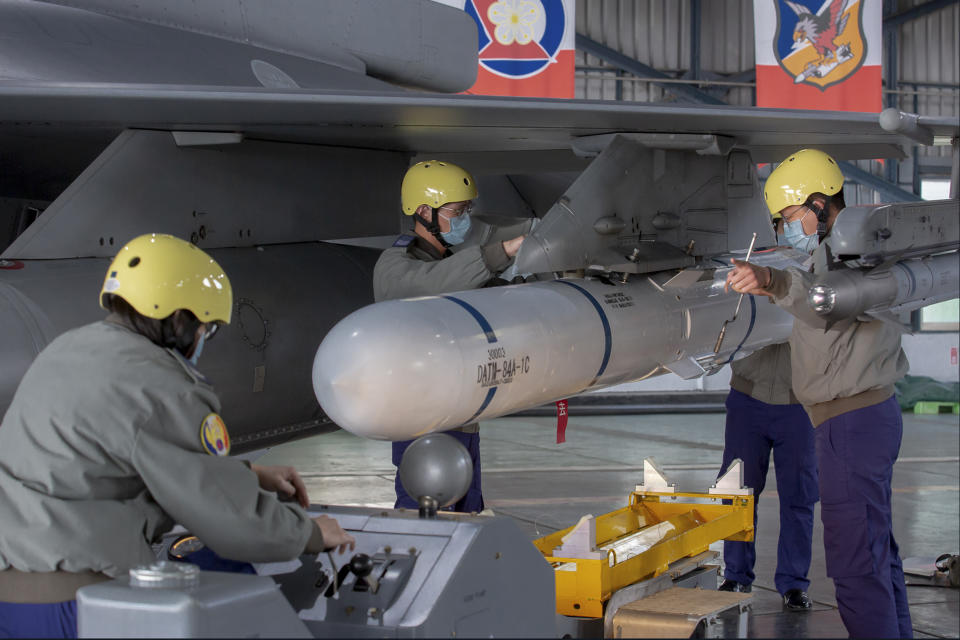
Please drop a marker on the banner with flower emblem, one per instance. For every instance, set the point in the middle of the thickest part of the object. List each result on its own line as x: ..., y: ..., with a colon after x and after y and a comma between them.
x: 525, y: 47
x: 819, y: 54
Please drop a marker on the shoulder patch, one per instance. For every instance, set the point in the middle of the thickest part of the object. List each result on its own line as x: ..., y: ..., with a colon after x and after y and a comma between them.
x: 213, y: 435
x: 404, y: 240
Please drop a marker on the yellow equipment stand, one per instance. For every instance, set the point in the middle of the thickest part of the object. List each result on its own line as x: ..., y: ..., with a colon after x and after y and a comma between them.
x: 638, y: 542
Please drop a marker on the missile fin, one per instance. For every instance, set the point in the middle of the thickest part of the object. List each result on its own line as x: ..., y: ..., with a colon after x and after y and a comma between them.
x: 686, y: 368
x: 684, y: 279
x: 889, y: 262
x: 891, y: 319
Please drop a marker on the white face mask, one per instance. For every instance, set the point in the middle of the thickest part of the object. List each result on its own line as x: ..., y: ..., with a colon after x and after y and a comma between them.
x: 796, y: 238
x: 459, y: 225
x: 198, y: 349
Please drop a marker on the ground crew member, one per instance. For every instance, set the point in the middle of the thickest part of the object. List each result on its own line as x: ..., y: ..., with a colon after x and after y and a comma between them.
x: 441, y: 257
x: 844, y: 376
x: 764, y: 414
x: 113, y: 436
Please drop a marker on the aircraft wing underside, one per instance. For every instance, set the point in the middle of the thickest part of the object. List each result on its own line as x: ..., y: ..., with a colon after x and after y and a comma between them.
x: 417, y: 122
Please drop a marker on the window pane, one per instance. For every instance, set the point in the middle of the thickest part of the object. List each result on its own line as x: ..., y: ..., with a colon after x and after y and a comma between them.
x: 934, y: 189
x: 943, y: 316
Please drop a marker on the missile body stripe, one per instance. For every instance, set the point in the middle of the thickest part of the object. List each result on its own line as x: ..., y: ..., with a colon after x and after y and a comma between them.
x: 607, y: 338
x: 491, y: 337
x: 487, y: 329
x: 753, y: 321
x: 486, y: 403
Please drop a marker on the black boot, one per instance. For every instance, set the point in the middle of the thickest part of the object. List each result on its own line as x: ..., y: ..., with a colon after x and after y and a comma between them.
x: 796, y: 599
x: 733, y: 585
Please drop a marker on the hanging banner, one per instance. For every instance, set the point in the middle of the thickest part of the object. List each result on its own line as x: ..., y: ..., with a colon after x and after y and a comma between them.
x: 525, y: 47
x: 816, y: 54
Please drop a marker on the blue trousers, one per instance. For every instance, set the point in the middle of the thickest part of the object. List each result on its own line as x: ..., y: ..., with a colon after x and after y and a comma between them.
x: 856, y: 451
x: 53, y: 620
x: 753, y: 429
x: 472, y: 501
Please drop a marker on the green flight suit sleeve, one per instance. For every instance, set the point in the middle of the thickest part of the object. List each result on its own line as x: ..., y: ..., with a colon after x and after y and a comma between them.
x: 216, y: 498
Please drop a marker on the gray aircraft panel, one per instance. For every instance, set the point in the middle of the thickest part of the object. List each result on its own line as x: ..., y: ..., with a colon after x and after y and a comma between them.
x: 236, y: 195
x: 53, y: 44
x: 436, y: 122
x: 409, y: 42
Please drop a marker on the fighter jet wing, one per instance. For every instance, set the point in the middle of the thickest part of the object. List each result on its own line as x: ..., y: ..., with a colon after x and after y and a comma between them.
x: 424, y: 122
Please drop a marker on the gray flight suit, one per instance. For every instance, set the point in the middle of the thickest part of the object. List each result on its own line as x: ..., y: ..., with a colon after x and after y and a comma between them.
x: 101, y: 453
x: 413, y: 268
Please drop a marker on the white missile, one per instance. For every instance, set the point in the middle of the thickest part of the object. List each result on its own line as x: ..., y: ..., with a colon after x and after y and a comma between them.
x: 902, y: 286
x: 399, y: 369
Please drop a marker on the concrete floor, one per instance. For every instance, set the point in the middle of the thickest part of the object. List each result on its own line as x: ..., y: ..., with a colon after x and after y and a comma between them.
x: 546, y: 487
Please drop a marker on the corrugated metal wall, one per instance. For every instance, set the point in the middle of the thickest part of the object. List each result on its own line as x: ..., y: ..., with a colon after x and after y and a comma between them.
x: 929, y: 53
x: 657, y: 33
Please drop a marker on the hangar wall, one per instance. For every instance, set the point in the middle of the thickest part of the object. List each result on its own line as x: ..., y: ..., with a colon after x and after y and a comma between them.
x: 921, y: 71
x: 658, y: 33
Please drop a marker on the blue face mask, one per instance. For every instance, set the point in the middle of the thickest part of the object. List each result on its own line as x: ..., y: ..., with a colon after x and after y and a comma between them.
x: 198, y: 349
x: 459, y: 227
x: 796, y: 238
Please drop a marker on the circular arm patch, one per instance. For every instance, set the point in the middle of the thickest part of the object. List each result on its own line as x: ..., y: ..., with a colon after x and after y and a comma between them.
x: 214, y: 436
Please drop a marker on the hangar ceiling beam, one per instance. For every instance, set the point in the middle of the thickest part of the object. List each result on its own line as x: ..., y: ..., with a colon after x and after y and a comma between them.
x: 637, y: 68
x: 918, y: 11
x: 881, y: 185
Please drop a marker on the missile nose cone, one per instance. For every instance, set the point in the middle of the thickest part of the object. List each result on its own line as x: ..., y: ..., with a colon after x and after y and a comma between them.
x: 378, y: 367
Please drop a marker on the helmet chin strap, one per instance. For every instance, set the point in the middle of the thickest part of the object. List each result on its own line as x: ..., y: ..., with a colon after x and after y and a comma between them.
x: 432, y: 226
x: 821, y: 212
x: 180, y: 338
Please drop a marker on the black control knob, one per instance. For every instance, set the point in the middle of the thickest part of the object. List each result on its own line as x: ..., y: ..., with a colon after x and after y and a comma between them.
x: 361, y: 565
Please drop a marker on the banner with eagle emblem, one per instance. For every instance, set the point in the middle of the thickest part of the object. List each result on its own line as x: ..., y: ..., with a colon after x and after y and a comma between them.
x: 819, y: 54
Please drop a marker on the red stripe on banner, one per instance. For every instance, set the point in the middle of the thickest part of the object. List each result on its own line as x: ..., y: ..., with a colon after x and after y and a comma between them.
x: 556, y: 81
x: 561, y: 421
x: 859, y: 92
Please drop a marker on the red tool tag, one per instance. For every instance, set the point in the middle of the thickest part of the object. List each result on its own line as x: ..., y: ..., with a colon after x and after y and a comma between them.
x: 561, y: 421
x: 953, y: 355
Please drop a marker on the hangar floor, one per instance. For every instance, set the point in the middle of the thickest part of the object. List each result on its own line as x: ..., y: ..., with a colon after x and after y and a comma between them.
x: 546, y: 487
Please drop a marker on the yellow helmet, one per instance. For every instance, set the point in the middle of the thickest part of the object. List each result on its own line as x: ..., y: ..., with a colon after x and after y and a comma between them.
x: 159, y: 273
x: 806, y: 171
x: 435, y: 183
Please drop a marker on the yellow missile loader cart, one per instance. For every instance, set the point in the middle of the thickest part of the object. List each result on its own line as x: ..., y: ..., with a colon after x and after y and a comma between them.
x: 601, y: 555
